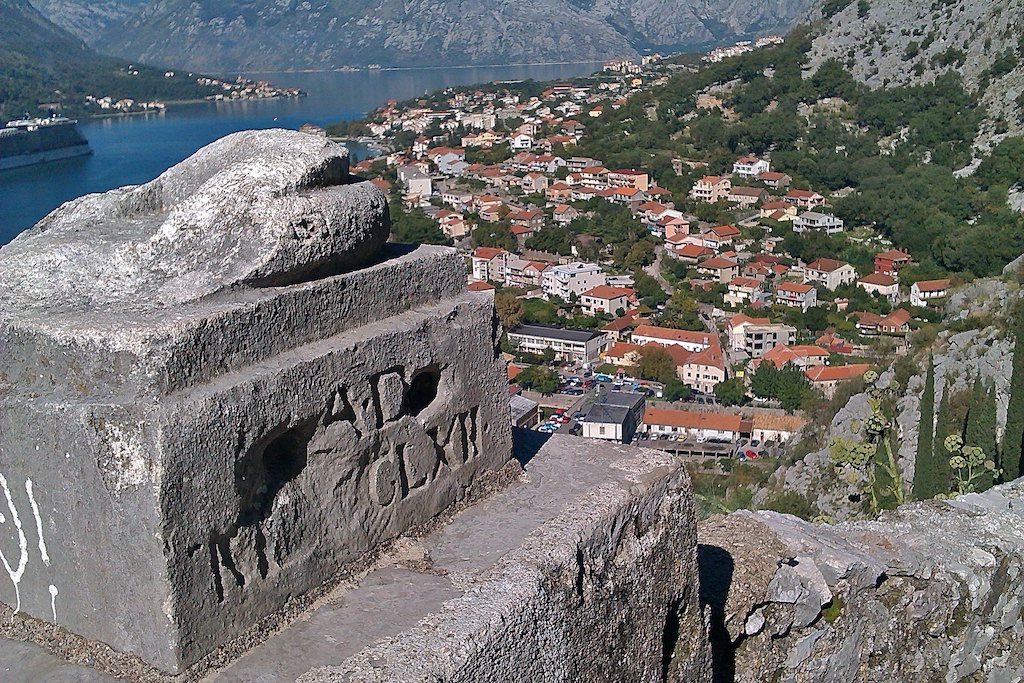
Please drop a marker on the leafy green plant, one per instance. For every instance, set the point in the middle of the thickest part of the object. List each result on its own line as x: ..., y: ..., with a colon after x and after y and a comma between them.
x: 860, y: 463
x: 968, y: 463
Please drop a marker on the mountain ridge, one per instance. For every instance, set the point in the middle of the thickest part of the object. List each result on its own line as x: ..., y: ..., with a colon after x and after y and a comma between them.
x: 229, y: 35
x: 888, y: 43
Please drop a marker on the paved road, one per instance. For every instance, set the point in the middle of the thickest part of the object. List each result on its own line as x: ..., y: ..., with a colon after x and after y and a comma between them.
x: 654, y: 270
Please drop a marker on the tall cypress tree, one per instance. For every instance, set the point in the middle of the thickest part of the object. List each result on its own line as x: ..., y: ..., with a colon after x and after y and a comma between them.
x: 946, y: 423
x: 1013, y: 436
x: 925, y: 434
x: 981, y: 426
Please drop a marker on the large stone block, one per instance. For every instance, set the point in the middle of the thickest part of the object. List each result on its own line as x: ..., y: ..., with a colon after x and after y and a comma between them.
x: 236, y: 390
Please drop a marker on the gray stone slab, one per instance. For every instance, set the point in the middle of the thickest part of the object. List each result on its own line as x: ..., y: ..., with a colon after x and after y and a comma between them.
x: 22, y: 662
x: 394, y: 620
x: 220, y: 390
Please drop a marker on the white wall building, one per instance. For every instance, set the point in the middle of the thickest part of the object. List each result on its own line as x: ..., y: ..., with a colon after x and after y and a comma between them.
x: 571, y: 280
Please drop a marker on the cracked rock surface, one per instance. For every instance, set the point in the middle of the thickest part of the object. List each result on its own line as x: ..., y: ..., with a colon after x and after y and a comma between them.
x: 930, y: 592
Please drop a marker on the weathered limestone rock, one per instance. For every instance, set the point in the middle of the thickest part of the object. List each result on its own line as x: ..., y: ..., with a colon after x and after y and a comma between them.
x: 582, y: 568
x: 219, y: 388
x: 930, y: 592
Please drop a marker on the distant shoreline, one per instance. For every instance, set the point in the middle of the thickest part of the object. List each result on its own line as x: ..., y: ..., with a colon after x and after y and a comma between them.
x: 363, y: 69
x: 178, y: 103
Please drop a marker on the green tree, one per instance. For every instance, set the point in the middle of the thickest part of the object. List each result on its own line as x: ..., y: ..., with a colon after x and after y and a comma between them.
x: 682, y: 310
x: 981, y: 429
x: 539, y: 378
x: 1013, y: 435
x: 657, y: 364
x: 764, y: 383
x: 648, y: 290
x: 509, y: 309
x: 946, y: 424
x: 731, y: 392
x: 924, y: 487
x: 676, y: 391
x: 414, y: 227
x: 793, y: 387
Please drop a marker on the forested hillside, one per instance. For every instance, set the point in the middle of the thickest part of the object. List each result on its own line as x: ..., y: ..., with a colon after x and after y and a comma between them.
x: 887, y: 155
x: 41, y: 64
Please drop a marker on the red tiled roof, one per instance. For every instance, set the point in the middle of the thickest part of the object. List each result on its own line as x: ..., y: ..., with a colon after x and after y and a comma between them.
x: 741, y: 318
x: 834, y: 373
x: 608, y: 292
x: 487, y: 252
x: 932, y: 285
x: 692, y: 420
x: 827, y: 265
x: 672, y: 334
x: 797, y: 287
x: 880, y: 279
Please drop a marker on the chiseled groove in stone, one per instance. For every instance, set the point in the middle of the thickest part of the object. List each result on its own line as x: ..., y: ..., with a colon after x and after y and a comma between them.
x: 156, y: 354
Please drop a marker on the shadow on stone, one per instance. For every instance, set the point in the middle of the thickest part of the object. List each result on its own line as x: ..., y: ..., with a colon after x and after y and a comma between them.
x: 527, y: 443
x: 715, y: 567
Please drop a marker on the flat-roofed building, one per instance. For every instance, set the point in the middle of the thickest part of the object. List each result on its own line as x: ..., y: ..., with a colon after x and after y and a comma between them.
x: 525, y: 411
x: 579, y: 346
x: 616, y: 416
x: 757, y: 336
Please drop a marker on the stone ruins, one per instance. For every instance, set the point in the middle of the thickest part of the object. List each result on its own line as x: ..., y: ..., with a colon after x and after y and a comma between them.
x: 243, y: 437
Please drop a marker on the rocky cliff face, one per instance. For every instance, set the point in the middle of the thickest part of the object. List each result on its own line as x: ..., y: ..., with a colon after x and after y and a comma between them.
x: 959, y: 358
x: 235, y: 34
x: 885, y: 42
x: 86, y: 19
x: 930, y: 592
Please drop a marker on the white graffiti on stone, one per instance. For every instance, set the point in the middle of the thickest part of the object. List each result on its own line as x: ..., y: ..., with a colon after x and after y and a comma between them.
x: 53, y: 601
x: 39, y: 522
x: 17, y: 573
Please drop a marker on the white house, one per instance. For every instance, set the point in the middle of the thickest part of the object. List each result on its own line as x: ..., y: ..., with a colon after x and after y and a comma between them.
x: 521, y: 142
x: 812, y: 220
x: 757, y: 336
x: 829, y: 272
x: 616, y: 416
x: 417, y: 183
x: 924, y: 291
x: 796, y: 295
x: 881, y: 284
x: 489, y: 263
x: 667, y: 336
x: 684, y: 424
x: 571, y: 279
x: 743, y: 290
x: 605, y: 299
x: 750, y: 167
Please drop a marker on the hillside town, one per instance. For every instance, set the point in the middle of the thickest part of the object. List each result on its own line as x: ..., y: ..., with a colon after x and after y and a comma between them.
x: 667, y: 306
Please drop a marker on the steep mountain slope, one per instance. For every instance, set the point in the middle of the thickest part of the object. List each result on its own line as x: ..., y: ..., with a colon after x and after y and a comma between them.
x: 41, y: 63
x: 35, y: 57
x: 899, y: 42
x: 296, y: 34
x: 86, y: 19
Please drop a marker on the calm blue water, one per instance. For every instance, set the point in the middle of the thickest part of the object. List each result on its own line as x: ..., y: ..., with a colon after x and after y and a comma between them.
x: 136, y: 149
